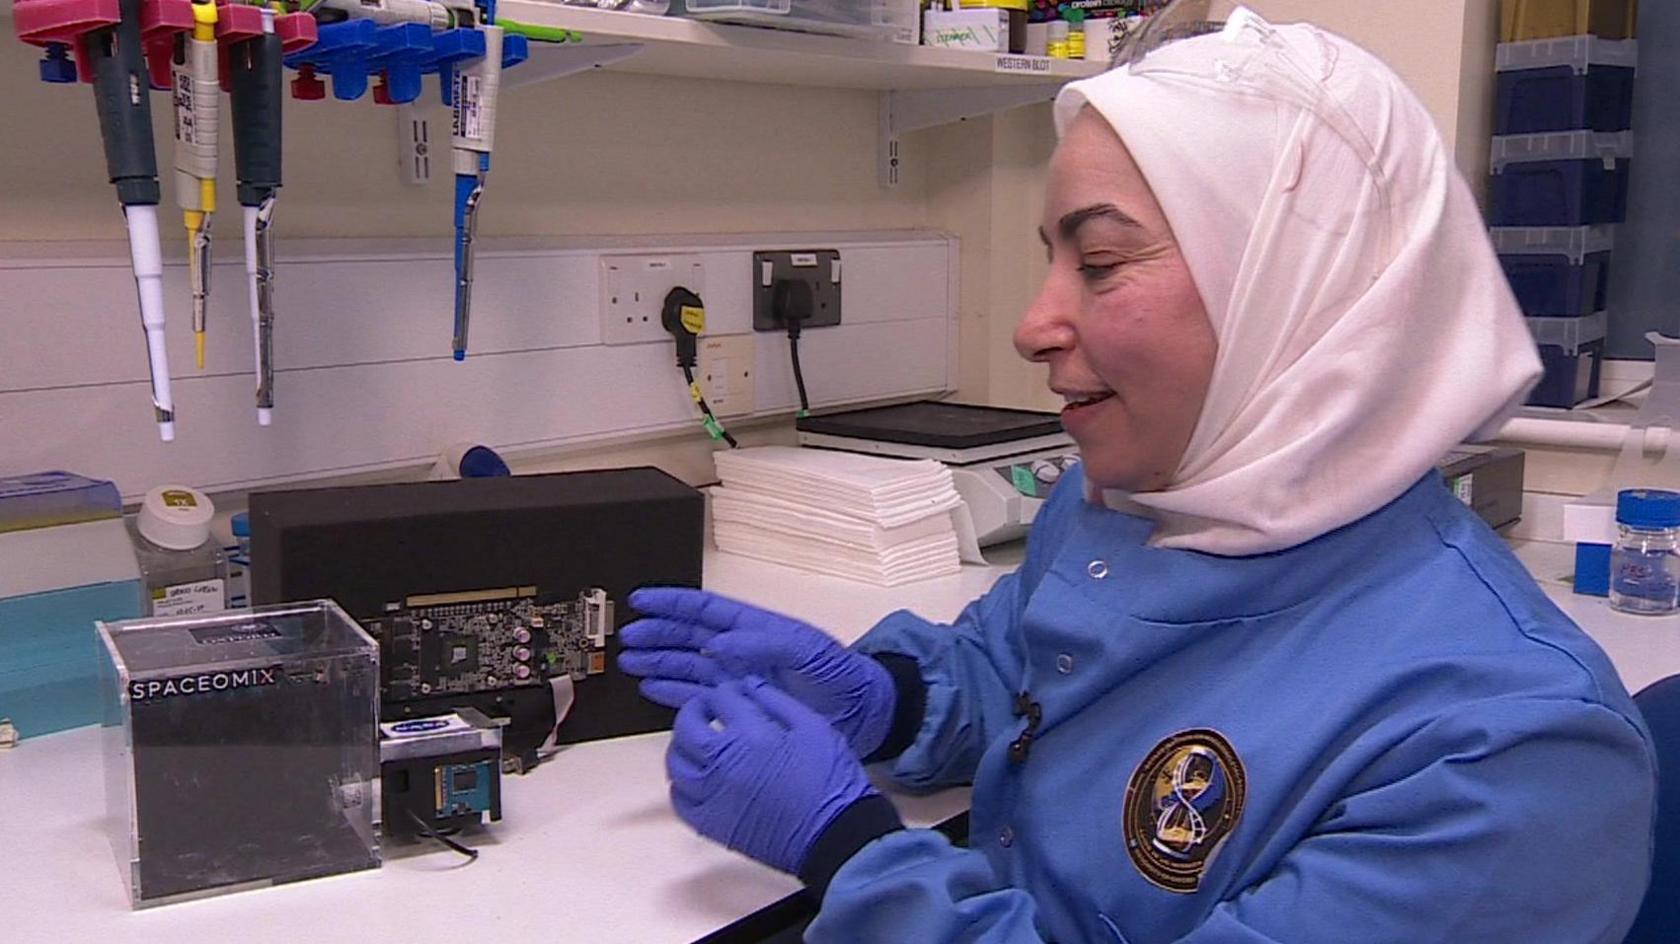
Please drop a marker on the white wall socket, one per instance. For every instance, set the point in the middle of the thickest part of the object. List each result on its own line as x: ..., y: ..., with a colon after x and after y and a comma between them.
x: 633, y: 289
x: 725, y: 374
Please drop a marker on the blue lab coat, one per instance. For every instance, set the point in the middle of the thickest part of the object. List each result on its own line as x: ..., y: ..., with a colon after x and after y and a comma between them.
x: 1387, y: 734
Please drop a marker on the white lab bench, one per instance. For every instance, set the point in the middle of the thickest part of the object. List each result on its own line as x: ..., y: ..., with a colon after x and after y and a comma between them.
x: 589, y: 849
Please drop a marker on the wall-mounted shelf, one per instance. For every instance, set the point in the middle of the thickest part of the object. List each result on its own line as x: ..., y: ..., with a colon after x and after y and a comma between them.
x: 679, y: 46
x: 920, y: 86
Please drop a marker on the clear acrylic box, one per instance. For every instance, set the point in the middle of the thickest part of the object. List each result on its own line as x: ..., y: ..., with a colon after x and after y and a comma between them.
x: 241, y: 749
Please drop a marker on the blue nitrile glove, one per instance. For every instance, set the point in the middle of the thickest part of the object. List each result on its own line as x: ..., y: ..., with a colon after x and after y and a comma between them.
x: 689, y: 640
x: 761, y: 773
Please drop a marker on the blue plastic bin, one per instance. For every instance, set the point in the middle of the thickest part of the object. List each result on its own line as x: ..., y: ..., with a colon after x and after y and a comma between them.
x: 1564, y: 85
x: 1557, y: 271
x: 1572, y: 355
x: 1571, y: 178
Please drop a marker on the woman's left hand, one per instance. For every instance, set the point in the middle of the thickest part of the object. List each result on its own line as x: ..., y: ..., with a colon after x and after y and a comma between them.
x: 761, y: 773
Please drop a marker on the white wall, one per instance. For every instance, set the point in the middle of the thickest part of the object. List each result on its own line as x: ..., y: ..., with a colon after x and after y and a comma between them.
x: 593, y: 154
x: 614, y: 153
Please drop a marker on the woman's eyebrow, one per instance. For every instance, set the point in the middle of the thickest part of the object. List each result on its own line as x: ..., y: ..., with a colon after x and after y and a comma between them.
x: 1070, y: 222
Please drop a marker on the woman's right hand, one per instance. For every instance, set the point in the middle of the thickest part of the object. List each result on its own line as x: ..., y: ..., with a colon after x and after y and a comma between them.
x: 689, y: 641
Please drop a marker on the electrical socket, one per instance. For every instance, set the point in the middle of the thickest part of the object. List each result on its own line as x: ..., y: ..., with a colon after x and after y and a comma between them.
x: 818, y: 268
x: 633, y: 289
x: 725, y: 373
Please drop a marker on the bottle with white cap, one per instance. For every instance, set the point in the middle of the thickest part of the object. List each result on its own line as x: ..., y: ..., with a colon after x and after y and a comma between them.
x: 183, y: 571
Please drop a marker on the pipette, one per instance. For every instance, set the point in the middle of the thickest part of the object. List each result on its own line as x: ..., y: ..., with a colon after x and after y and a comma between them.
x: 474, y: 132
x: 257, y: 83
x: 120, y: 87
x: 197, y: 118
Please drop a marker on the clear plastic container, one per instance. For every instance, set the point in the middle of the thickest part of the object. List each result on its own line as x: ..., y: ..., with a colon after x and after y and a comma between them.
x: 1644, y: 565
x: 183, y: 571
x: 1569, y: 178
x: 651, y: 7
x: 46, y: 499
x: 240, y: 749
x: 1576, y: 52
x: 1557, y: 272
x: 1561, y: 146
x: 1576, y: 242
x: 1571, y: 334
x: 863, y: 19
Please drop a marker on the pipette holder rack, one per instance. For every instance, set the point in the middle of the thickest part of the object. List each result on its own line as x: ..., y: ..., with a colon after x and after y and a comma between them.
x: 400, y: 55
x: 237, y: 22
x: 59, y: 25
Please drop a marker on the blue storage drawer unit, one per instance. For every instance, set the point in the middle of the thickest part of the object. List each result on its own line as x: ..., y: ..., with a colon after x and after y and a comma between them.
x: 1568, y: 84
x: 1558, y: 272
x: 1572, y: 355
x: 1569, y: 178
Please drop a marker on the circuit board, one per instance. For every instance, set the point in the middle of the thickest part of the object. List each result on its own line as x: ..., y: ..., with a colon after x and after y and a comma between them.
x: 488, y: 640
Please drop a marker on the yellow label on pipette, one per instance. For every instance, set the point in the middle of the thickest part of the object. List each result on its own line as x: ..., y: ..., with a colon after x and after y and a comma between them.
x: 693, y: 319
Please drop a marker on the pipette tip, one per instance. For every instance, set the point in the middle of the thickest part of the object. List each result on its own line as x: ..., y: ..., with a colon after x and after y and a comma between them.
x: 265, y: 416
x: 460, y: 355
x: 166, y: 431
x: 198, y: 348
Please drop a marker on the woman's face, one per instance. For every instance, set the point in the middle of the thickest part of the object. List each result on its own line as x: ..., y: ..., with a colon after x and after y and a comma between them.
x: 1118, y: 320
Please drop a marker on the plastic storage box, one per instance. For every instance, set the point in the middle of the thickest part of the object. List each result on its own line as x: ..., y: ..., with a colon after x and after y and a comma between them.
x: 1544, y: 19
x: 1571, y: 178
x: 45, y: 499
x: 240, y: 749
x: 1572, y: 354
x: 1557, y: 272
x: 1564, y: 85
x: 65, y: 563
x: 895, y: 20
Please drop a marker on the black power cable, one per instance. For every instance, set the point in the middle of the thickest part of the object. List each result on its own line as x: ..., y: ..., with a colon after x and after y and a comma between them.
x: 429, y: 833
x: 684, y: 316
x: 792, y: 303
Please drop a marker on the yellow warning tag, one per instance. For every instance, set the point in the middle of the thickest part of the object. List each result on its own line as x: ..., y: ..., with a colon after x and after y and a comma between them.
x: 694, y: 391
x: 693, y: 319
x: 175, y: 498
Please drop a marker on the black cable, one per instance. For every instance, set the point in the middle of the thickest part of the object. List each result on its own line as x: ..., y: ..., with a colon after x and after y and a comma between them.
x: 429, y: 833
x: 792, y: 303
x: 683, y: 315
x: 688, y: 375
x: 798, y: 374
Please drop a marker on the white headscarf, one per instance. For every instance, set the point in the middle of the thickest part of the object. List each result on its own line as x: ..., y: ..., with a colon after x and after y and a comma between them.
x: 1364, y: 324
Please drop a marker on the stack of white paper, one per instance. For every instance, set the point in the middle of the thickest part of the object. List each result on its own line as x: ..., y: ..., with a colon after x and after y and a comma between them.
x: 867, y: 518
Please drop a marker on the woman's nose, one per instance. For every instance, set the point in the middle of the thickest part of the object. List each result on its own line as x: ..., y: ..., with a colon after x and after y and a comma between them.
x: 1046, y: 326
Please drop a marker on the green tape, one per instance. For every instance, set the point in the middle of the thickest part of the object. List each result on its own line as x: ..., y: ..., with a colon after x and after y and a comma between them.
x: 544, y: 34
x: 713, y: 427
x: 1025, y: 482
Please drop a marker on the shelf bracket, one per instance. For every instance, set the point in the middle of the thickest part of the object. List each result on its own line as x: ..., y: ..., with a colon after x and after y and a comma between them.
x: 549, y: 61
x: 904, y: 111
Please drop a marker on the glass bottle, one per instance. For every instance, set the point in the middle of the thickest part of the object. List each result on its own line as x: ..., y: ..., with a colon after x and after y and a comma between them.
x: 1644, y: 565
x: 182, y: 570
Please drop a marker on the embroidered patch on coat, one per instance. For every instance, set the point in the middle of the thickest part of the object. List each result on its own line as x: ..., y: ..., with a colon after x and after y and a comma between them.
x: 1181, y: 804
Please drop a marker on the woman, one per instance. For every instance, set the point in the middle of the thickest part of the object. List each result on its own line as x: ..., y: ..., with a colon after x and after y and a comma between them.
x: 1261, y: 677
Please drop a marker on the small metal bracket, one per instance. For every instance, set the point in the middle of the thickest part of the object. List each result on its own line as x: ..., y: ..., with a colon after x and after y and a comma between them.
x: 913, y: 110
x: 556, y: 61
